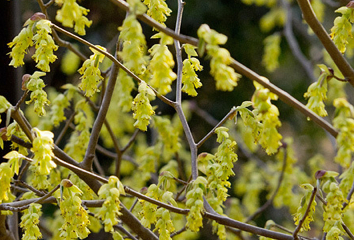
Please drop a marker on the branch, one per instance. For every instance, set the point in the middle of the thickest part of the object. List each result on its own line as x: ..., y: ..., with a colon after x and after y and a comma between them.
x: 293, y: 44
x: 206, y: 137
x: 328, y: 44
x: 179, y: 53
x: 113, y: 59
x: 285, y: 97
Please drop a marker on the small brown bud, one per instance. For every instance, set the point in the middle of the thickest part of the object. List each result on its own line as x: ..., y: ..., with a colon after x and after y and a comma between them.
x: 25, y: 79
x: 3, y: 133
x: 66, y: 183
x: 320, y: 173
x: 38, y: 16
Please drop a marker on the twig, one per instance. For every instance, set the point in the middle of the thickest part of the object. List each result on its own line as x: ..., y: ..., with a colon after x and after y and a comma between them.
x: 306, y: 213
x: 113, y: 59
x: 328, y: 44
x: 98, y: 166
x: 101, y: 116
x: 347, y: 230
x: 178, y: 232
x: 22, y: 99
x: 284, y: 96
x: 293, y: 44
x: 206, y: 137
x: 179, y: 53
x: 131, y: 140
x: 349, y: 196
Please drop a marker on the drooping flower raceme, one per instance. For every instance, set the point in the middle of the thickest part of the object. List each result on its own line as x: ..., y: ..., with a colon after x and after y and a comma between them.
x: 134, y: 45
x: 161, y: 64
x: 269, y: 137
x: 344, y: 122
x: 305, y: 201
x: 30, y: 221
x: 190, y: 79
x: 72, y: 14
x: 91, y: 74
x: 44, y: 45
x: 42, y: 147
x: 226, y: 78
x: 195, y: 204
x: 271, y: 52
x: 38, y: 95
x: 110, y: 210
x: 142, y: 107
x: 342, y: 29
x: 75, y: 216
x: 158, y: 10
x: 317, y: 92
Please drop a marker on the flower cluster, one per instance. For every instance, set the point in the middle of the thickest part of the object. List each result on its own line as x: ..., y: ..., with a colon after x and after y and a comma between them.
x: 15, y: 130
x: 124, y: 87
x: 190, y: 79
x: 268, y: 113
x: 275, y: 17
x: 161, y: 64
x: 38, y: 95
x: 167, y: 135
x: 164, y: 223
x: 110, y: 210
x: 148, y: 212
x: 72, y: 14
x: 77, y: 144
x: 91, y: 74
x: 134, y: 44
x: 75, y: 216
x: 7, y: 171
x: 333, y: 210
x: 225, y: 76
x: 317, y: 92
x: 30, y: 220
x: 271, y: 52
x: 42, y: 146
x: 158, y: 10
x: 59, y: 104
x: 44, y: 45
x: 195, y: 204
x: 342, y: 29
x: 4, y: 106
x: 20, y: 44
x: 305, y: 201
x: 142, y: 107
x: 344, y: 122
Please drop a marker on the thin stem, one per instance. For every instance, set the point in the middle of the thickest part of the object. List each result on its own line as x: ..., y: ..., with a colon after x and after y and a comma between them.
x: 190, y: 140
x: 349, y: 196
x: 153, y: 23
x: 328, y: 44
x: 101, y: 116
x: 306, y: 213
x: 206, y: 137
x: 23, y: 98
x: 131, y: 140
x: 284, y: 96
x: 293, y: 44
x: 179, y: 53
x: 98, y: 166
x: 114, y: 60
x: 347, y: 230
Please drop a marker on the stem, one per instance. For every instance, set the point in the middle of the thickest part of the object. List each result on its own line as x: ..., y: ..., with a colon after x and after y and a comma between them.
x: 179, y: 53
x: 65, y: 128
x: 285, y: 97
x: 293, y: 44
x: 306, y: 213
x: 328, y: 44
x: 113, y: 59
x: 232, y: 111
x: 347, y: 230
x: 101, y: 116
x: 190, y: 140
